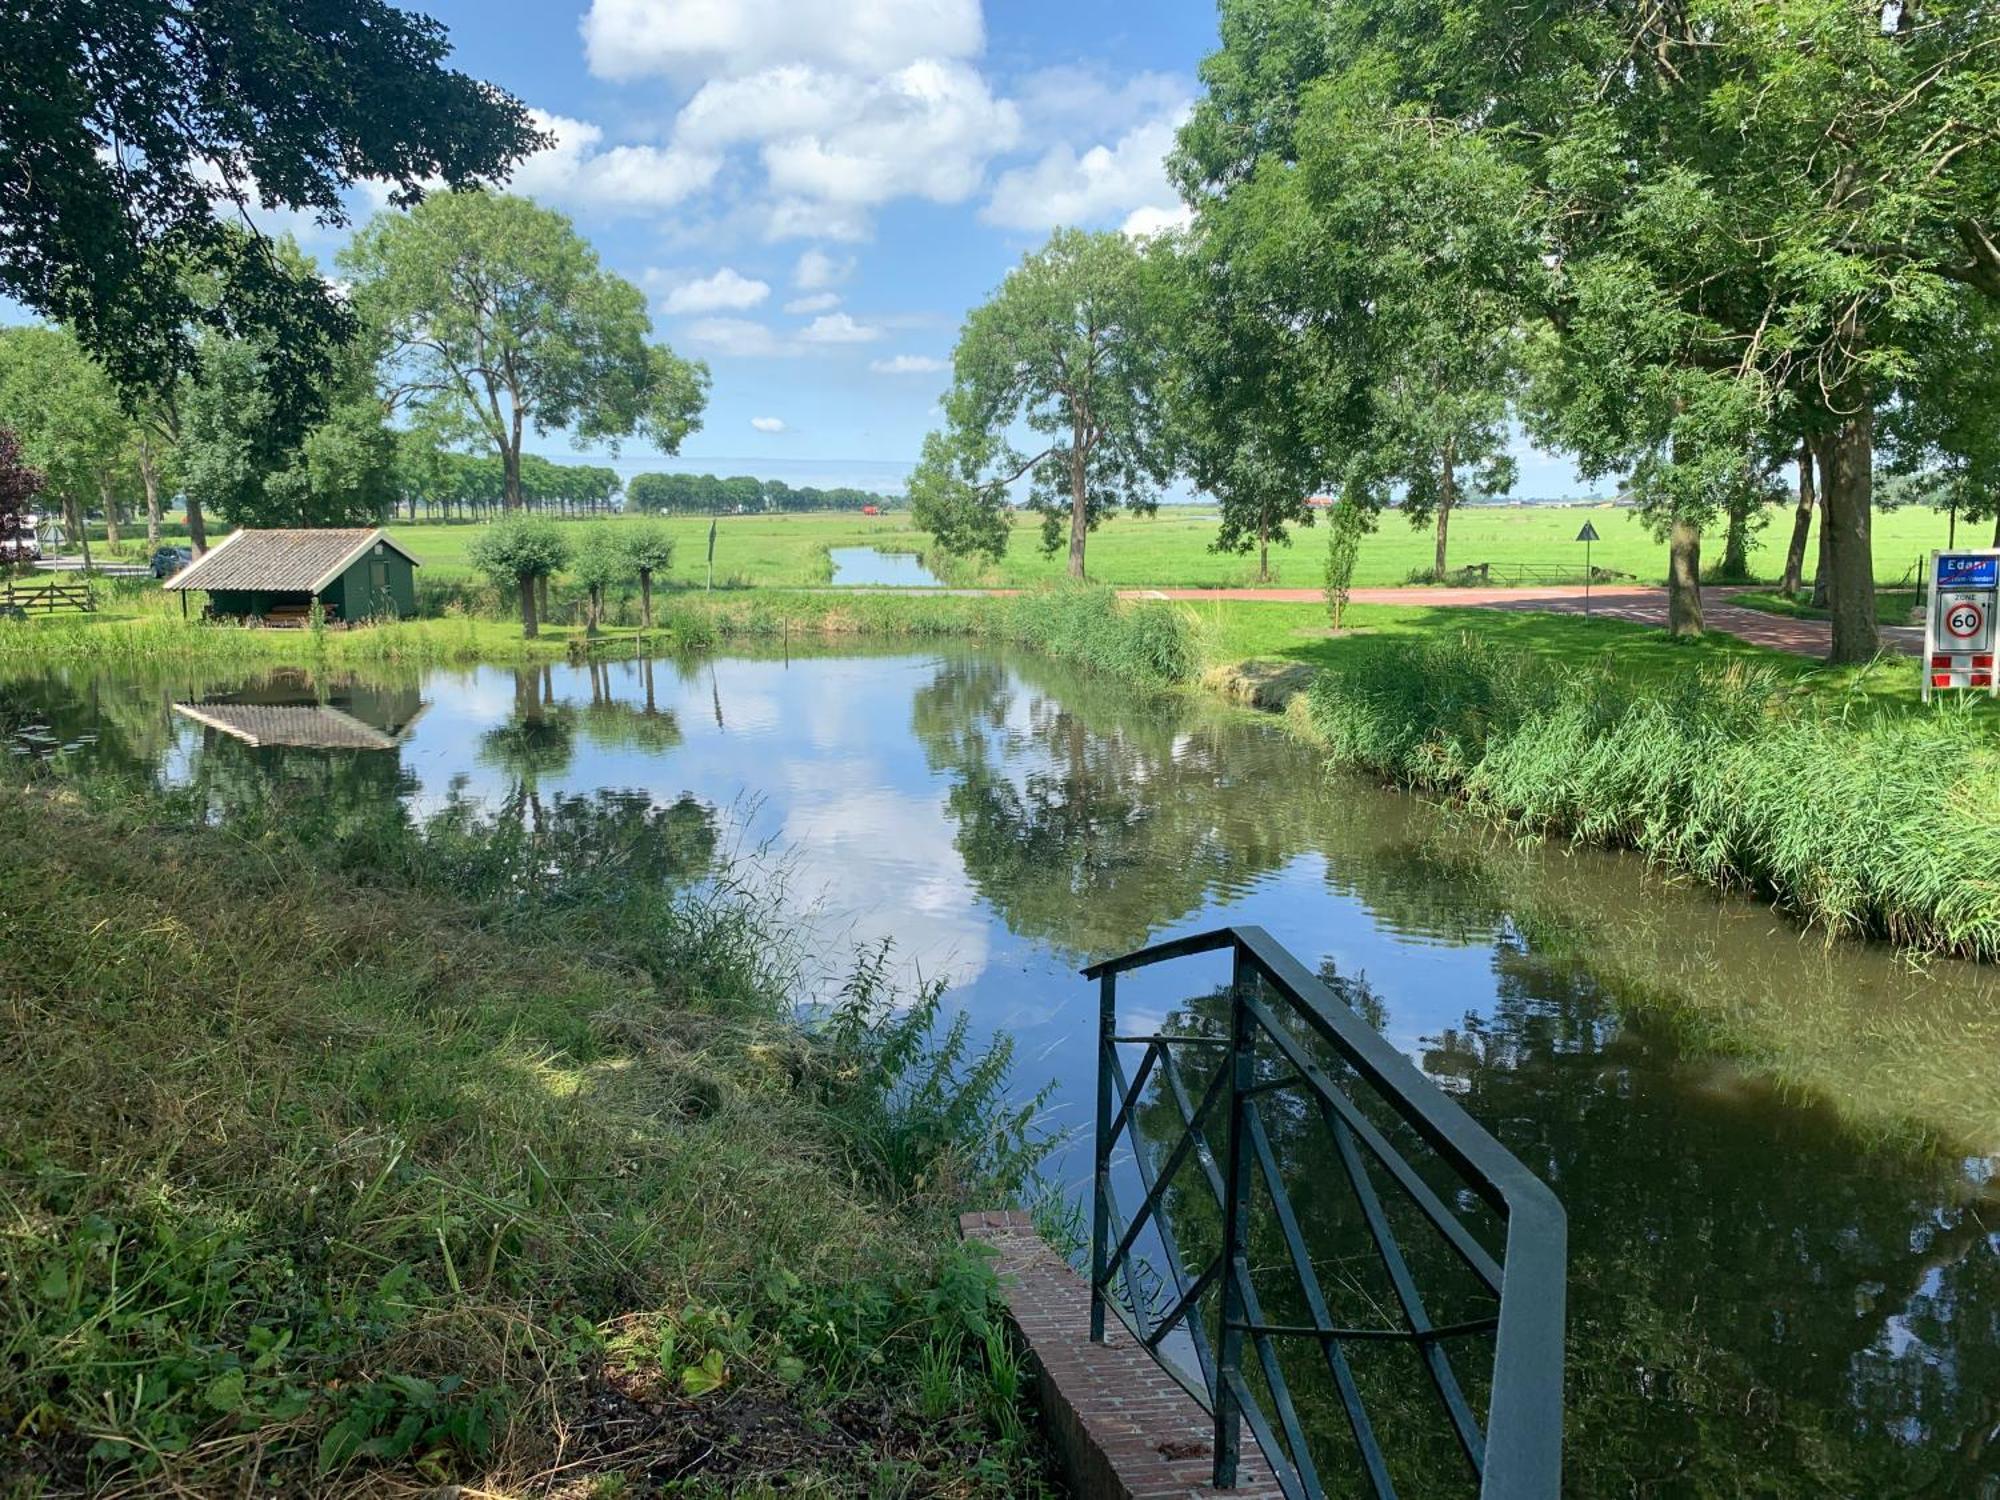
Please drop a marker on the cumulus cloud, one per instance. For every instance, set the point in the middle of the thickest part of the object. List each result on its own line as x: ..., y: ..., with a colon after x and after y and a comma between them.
x: 741, y: 337
x: 1067, y: 103
x: 838, y: 328
x: 804, y: 219
x: 634, y: 38
x: 578, y: 171
x: 1144, y: 223
x: 817, y: 269
x: 909, y: 364
x: 1105, y: 183
x: 768, y: 424
x: 818, y: 302
x: 726, y: 291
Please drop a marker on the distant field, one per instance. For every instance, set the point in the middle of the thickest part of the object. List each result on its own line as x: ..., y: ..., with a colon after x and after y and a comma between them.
x: 1171, y: 549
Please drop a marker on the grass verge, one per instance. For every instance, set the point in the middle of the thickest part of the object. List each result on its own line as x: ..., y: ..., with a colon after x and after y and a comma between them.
x: 372, y: 1156
x: 1860, y: 823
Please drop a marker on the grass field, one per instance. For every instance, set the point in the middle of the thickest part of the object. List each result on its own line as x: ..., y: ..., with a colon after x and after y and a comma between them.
x: 1171, y: 548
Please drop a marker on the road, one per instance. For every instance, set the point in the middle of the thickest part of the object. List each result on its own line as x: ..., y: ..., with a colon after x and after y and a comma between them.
x: 1643, y: 606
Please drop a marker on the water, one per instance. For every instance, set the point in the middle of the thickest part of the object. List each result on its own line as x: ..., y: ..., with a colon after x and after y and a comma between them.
x: 1782, y: 1179
x: 865, y: 567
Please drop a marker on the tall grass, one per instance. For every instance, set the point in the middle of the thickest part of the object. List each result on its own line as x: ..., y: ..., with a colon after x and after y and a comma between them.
x: 1885, y: 823
x: 369, y: 1156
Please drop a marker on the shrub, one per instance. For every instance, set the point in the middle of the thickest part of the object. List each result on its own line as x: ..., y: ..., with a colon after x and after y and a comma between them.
x: 1886, y: 823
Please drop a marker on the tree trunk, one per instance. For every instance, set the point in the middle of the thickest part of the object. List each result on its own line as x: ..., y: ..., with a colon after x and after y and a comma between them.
x: 1263, y: 550
x: 646, y: 597
x: 1684, y: 581
x: 1076, y: 505
x: 1736, y: 542
x: 510, y: 466
x: 1795, y: 555
x: 150, y: 477
x: 1846, y: 471
x: 1996, y: 531
x: 197, y: 527
x: 110, y: 501
x: 1447, y: 496
x: 1823, y: 571
x: 593, y: 610
x: 529, y: 627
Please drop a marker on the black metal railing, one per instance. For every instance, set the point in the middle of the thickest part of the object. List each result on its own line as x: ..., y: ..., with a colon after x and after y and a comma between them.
x: 1289, y: 1037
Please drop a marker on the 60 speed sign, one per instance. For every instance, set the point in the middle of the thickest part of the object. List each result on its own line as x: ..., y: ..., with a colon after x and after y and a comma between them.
x: 1964, y: 620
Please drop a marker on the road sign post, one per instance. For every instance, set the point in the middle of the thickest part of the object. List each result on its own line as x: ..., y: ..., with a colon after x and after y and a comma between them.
x: 1586, y: 536
x: 1959, y: 625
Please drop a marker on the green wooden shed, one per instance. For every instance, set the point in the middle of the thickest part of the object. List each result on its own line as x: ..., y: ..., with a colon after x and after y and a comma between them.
x: 355, y: 574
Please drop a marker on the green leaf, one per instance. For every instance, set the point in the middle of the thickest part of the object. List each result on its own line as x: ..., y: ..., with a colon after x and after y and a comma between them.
x: 709, y: 1375
x: 225, y: 1392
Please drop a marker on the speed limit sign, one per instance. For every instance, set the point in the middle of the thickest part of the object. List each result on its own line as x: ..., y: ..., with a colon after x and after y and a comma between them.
x: 1959, y: 625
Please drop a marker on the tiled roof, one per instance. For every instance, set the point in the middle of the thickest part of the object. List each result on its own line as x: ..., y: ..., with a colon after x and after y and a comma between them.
x: 283, y: 561
x: 313, y: 725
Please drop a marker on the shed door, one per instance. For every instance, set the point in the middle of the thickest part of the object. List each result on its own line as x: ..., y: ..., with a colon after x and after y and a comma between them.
x: 378, y: 587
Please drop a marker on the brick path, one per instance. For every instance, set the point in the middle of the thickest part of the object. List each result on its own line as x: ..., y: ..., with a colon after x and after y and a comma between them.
x: 1122, y: 1426
x: 1644, y: 606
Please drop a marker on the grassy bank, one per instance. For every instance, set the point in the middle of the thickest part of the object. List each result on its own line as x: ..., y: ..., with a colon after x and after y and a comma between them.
x: 1859, y: 823
x: 370, y: 1157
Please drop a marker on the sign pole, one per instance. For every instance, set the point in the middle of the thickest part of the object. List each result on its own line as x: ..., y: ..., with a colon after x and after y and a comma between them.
x: 1586, y: 536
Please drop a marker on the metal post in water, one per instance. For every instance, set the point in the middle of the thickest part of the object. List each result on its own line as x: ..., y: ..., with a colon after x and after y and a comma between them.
x: 1100, y: 1216
x: 1241, y: 1063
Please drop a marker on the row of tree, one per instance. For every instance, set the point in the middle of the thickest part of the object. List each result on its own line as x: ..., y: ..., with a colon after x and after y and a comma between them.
x: 706, y: 495
x: 1703, y: 249
x: 470, y: 321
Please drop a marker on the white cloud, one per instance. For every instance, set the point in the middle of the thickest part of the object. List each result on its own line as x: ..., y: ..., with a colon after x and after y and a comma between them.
x: 575, y: 171
x: 726, y: 291
x: 768, y: 424
x: 818, y: 302
x: 1104, y: 183
x: 838, y: 328
x: 909, y: 364
x: 736, y: 336
x: 703, y: 38
x: 818, y: 269
x: 1067, y: 103
x: 803, y: 219
x: 1144, y: 223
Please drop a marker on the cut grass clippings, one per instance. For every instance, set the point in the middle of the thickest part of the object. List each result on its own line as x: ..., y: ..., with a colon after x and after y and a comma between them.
x: 366, y: 1157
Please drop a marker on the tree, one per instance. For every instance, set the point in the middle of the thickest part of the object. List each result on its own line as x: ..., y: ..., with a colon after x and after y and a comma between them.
x: 132, y: 134
x: 601, y: 561
x: 1344, y: 530
x: 1069, y: 347
x: 499, y: 318
x: 524, y: 551
x: 20, y: 483
x: 66, y: 413
x: 651, y: 548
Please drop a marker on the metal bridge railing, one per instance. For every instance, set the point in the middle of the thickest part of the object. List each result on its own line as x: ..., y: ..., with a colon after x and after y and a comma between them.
x: 1274, y: 1047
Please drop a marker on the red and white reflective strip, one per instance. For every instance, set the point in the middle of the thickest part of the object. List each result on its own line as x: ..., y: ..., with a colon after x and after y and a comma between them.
x: 1959, y: 671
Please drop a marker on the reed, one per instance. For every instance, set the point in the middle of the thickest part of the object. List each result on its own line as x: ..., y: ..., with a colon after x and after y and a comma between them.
x: 1861, y: 822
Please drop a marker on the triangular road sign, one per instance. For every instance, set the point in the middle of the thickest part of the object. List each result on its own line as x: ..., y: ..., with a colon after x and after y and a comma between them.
x: 1588, y: 534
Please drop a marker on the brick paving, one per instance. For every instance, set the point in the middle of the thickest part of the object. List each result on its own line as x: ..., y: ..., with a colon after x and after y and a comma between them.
x: 1642, y: 606
x: 1123, y: 1427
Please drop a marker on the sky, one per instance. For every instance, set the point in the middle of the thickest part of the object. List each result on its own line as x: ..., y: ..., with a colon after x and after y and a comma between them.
x: 813, y: 193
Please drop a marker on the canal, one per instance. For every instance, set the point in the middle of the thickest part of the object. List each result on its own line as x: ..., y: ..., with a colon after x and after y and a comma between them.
x: 1780, y: 1159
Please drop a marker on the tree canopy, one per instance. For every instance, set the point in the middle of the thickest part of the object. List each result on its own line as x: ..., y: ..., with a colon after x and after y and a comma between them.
x: 499, y: 318
x: 1072, y: 348
x: 134, y: 136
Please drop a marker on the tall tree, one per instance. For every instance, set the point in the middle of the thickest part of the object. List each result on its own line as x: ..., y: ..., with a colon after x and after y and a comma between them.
x: 130, y: 134
x: 68, y: 417
x: 500, y: 319
x: 1070, y: 348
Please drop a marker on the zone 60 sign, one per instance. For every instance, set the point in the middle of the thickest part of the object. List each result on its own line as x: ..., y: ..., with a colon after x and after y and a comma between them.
x: 1959, y: 627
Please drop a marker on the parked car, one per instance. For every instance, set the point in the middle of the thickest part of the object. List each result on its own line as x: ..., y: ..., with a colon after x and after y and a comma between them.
x: 170, y: 560
x: 20, y: 548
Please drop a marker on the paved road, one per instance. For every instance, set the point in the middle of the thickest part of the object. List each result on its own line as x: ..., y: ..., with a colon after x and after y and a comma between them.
x: 1644, y: 606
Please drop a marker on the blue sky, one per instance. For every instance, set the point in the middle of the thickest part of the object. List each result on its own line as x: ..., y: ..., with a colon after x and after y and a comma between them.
x: 813, y: 192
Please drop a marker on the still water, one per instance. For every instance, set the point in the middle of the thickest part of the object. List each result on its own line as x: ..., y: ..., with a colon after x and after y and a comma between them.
x: 865, y: 567
x: 1783, y: 1191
